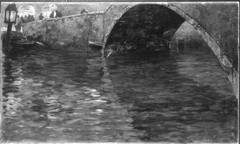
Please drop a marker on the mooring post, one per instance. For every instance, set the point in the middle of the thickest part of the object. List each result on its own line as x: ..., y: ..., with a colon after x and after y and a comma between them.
x: 8, y: 36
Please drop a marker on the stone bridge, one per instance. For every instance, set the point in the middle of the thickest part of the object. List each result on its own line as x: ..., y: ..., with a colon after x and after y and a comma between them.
x: 217, y: 23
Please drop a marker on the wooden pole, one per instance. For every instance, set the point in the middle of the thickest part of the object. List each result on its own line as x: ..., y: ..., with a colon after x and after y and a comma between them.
x: 8, y: 36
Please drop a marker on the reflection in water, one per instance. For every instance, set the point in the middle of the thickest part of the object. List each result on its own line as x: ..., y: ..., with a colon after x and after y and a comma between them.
x: 54, y: 96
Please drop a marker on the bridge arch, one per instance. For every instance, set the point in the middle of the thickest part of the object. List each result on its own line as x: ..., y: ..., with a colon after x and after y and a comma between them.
x: 223, y: 59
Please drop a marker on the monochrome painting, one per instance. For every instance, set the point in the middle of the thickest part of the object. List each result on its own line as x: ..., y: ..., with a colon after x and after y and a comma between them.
x: 119, y: 72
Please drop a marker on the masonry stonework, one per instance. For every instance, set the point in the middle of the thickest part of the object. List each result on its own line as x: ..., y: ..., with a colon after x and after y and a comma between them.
x: 76, y: 30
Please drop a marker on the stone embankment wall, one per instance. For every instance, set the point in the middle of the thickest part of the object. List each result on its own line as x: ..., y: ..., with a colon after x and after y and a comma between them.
x: 74, y: 30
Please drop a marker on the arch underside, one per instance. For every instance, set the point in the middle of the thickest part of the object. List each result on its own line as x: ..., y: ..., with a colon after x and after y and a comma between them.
x: 141, y: 28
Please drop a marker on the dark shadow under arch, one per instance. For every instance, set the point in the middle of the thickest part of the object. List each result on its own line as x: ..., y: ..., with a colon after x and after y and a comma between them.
x: 144, y: 24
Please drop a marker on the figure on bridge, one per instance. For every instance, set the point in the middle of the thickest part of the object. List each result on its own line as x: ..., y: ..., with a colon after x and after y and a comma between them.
x: 18, y: 25
x: 41, y: 16
x: 55, y: 14
x: 84, y: 11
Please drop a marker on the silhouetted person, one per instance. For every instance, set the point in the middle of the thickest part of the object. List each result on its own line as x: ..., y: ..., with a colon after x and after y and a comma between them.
x: 22, y: 19
x: 55, y: 14
x: 31, y: 18
x: 25, y: 19
x: 18, y: 24
x: 41, y: 16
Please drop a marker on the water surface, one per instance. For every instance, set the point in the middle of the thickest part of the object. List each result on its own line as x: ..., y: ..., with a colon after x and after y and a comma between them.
x: 59, y: 96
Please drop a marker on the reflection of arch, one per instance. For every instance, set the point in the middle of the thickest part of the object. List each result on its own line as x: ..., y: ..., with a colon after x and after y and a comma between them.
x: 26, y: 10
x: 224, y: 61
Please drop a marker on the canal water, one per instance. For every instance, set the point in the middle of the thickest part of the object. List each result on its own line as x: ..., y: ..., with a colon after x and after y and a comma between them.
x: 60, y: 96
